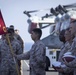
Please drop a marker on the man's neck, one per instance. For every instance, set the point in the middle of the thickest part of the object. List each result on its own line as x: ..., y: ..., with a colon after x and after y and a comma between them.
x: 36, y: 40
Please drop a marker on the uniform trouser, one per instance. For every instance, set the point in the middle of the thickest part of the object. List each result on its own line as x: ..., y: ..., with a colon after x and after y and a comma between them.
x: 39, y: 72
x: 71, y: 73
x: 8, y: 73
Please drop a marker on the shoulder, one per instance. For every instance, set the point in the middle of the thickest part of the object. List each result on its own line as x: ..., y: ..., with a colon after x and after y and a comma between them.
x: 74, y: 40
x: 63, y: 45
x: 67, y: 44
x: 16, y: 42
x: 17, y: 35
x: 40, y: 42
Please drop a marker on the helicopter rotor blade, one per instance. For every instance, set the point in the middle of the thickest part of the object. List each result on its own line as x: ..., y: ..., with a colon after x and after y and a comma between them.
x: 65, y: 6
x: 37, y: 10
x: 42, y: 27
x: 32, y: 11
x: 47, y: 15
x: 25, y: 12
x: 70, y: 5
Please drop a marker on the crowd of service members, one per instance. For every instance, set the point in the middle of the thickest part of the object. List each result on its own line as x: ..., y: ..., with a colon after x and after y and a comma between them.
x: 37, y: 53
x: 68, y: 37
x: 10, y: 63
x: 7, y: 63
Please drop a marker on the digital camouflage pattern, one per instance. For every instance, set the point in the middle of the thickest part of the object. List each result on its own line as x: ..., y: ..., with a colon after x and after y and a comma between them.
x: 36, y: 58
x: 65, y: 48
x: 7, y: 64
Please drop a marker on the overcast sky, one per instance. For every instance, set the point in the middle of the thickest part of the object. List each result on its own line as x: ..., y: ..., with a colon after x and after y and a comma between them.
x: 12, y: 11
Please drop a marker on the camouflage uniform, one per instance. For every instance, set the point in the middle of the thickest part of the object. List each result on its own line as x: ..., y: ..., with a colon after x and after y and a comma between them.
x: 16, y: 36
x: 19, y: 61
x: 66, y: 47
x: 73, y: 50
x: 36, y: 58
x: 7, y: 64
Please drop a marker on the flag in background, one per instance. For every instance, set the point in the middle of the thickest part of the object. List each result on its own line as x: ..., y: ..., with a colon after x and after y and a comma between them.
x: 3, y: 29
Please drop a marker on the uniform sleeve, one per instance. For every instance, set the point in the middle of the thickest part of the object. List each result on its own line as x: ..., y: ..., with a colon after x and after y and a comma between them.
x: 60, y: 55
x: 24, y: 56
x: 72, y: 64
x: 67, y: 69
x: 40, y: 54
x: 19, y: 38
x: 19, y: 49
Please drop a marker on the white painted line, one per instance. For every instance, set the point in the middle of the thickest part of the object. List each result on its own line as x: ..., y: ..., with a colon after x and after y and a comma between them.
x: 26, y: 63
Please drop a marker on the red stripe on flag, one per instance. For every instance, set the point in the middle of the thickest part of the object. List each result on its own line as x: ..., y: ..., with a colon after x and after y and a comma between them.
x: 3, y: 29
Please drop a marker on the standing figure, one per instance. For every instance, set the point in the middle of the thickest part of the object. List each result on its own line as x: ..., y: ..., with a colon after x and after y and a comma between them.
x: 7, y: 64
x: 17, y: 36
x: 72, y: 64
x: 66, y: 38
x: 36, y: 55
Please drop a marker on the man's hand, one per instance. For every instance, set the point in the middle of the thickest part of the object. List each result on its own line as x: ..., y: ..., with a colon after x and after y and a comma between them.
x: 65, y: 62
x: 60, y: 70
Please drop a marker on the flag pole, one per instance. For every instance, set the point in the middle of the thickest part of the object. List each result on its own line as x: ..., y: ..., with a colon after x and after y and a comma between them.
x: 11, y: 49
x: 3, y: 30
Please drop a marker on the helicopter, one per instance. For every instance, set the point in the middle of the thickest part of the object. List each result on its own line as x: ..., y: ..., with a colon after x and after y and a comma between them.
x: 35, y: 21
x: 58, y: 10
x: 61, y: 15
x: 58, y: 19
